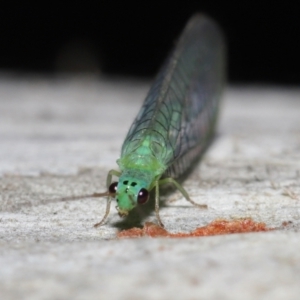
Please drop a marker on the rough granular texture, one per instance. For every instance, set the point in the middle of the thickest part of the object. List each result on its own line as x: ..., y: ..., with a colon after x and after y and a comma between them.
x: 216, y: 227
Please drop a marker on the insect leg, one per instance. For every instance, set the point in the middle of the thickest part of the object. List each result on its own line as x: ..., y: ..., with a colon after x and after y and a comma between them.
x: 182, y: 190
x: 157, y: 204
x: 110, y: 174
x: 108, y: 202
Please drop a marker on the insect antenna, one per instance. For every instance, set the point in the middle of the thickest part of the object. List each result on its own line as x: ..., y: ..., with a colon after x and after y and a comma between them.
x: 95, y: 195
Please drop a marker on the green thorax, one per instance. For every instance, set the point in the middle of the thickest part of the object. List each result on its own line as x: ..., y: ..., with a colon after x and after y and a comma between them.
x: 143, y: 157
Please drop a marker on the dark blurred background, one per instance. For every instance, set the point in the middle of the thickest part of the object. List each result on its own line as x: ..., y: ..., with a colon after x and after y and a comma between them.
x: 133, y: 40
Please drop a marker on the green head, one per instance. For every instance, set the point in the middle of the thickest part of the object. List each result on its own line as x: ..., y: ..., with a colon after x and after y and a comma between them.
x: 129, y: 192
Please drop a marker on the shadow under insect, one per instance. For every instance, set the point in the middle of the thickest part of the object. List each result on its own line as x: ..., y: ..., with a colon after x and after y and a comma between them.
x: 138, y: 214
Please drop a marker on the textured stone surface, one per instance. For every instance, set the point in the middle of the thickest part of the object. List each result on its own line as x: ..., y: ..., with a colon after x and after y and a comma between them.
x: 60, y: 138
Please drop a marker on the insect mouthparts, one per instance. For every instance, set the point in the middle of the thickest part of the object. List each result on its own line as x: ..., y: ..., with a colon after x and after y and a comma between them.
x: 122, y: 213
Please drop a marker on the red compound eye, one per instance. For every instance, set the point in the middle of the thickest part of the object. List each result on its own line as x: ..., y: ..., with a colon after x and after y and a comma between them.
x: 143, y: 196
x: 113, y: 188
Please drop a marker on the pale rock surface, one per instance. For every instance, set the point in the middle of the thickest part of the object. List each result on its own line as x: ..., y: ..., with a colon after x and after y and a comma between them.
x: 60, y: 137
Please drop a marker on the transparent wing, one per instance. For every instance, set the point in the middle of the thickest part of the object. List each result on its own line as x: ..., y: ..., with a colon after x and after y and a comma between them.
x: 179, y: 112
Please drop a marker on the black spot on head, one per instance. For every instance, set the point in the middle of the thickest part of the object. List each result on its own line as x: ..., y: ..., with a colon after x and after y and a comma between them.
x: 125, y: 182
x: 126, y: 190
x: 133, y: 183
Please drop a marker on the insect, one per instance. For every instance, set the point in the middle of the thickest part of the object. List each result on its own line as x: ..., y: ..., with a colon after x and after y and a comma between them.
x: 176, y: 122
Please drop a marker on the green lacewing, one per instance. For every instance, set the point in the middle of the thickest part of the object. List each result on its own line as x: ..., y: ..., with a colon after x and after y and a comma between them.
x: 176, y: 122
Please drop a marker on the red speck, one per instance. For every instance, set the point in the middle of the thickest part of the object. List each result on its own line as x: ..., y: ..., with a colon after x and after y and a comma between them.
x: 216, y: 227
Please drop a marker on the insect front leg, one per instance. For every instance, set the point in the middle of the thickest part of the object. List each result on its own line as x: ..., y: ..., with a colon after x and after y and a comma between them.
x: 110, y: 174
x: 108, y: 202
x: 160, y: 223
x: 182, y: 191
